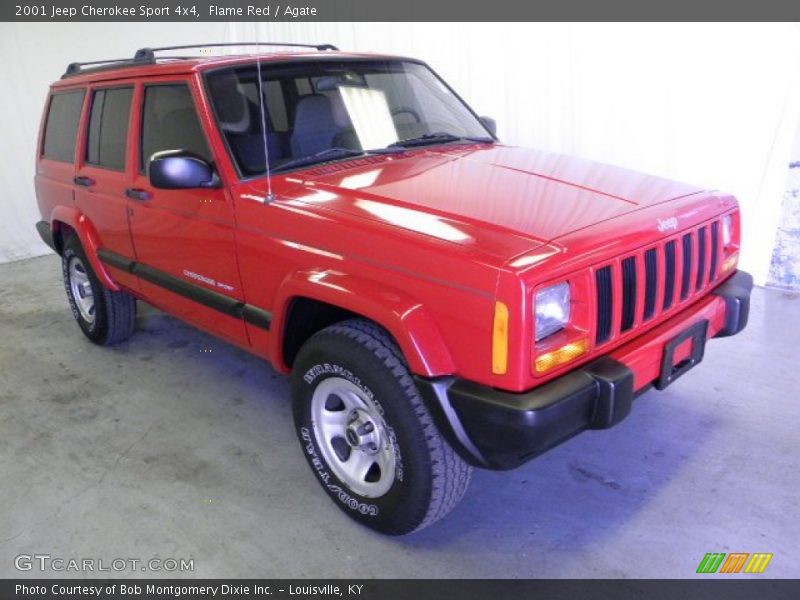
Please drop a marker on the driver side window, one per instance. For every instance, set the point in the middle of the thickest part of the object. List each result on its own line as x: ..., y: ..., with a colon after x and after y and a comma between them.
x: 169, y: 122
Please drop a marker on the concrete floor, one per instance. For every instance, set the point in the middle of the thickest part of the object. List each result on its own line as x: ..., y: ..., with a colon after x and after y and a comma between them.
x: 160, y: 448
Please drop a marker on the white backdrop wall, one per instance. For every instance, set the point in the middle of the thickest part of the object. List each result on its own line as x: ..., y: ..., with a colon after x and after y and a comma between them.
x: 712, y: 104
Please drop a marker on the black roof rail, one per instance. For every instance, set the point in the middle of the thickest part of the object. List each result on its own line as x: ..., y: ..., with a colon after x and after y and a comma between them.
x: 147, y: 56
x: 78, y: 67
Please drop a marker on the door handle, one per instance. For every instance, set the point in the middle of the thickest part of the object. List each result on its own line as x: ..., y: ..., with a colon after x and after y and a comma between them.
x: 83, y: 181
x: 137, y: 194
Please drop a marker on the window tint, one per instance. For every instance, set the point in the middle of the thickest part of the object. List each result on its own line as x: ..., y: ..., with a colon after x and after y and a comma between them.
x: 62, y: 125
x: 275, y: 109
x: 169, y: 122
x: 276, y: 106
x: 319, y: 110
x: 303, y: 86
x: 108, y: 128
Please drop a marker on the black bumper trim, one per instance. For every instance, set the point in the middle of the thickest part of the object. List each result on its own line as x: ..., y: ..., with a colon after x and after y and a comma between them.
x: 46, y: 233
x: 501, y: 430
x: 736, y: 293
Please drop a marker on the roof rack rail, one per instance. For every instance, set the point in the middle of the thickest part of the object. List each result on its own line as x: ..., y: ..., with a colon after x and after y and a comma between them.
x: 77, y: 67
x: 147, y: 56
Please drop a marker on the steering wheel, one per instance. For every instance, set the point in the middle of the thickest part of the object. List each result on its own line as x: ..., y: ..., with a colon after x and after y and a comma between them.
x: 399, y: 110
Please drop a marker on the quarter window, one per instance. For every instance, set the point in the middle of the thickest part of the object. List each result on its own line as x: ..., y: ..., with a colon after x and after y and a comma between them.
x: 108, y: 128
x: 169, y: 122
x: 62, y: 125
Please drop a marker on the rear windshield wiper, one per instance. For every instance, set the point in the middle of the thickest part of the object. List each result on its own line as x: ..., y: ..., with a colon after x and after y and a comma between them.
x: 440, y: 137
x: 335, y: 153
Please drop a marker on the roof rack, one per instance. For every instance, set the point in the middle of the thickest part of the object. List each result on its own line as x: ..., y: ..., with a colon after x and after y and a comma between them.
x: 95, y: 65
x: 147, y: 56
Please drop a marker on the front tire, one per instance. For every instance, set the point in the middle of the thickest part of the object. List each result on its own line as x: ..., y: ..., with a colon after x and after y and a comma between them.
x: 105, y: 317
x: 367, y: 435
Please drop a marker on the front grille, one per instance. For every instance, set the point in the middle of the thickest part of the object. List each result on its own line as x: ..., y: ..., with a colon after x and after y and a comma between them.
x: 686, y: 270
x: 650, y: 282
x: 701, y: 258
x: 628, y: 292
x: 712, y: 270
x: 669, y: 273
x: 673, y: 272
x: 604, y: 293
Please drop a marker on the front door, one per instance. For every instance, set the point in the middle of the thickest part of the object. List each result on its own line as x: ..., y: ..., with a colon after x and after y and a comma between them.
x: 184, y: 239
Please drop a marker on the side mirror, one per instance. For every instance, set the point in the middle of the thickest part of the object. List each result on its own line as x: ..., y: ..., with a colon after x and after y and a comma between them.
x: 178, y: 169
x: 490, y: 124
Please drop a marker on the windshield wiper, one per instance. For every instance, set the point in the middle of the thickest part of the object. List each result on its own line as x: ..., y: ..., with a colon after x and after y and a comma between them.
x: 439, y: 137
x: 335, y: 153
x: 322, y: 156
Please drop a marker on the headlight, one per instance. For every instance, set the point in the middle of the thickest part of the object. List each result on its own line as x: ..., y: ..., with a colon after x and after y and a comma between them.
x: 727, y: 230
x: 552, y: 309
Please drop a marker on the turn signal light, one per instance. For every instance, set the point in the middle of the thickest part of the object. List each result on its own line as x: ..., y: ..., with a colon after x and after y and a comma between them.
x: 550, y: 360
x: 500, y: 339
x: 730, y: 262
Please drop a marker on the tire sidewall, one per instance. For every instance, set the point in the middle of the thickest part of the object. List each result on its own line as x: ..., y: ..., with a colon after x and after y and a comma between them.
x: 405, y: 505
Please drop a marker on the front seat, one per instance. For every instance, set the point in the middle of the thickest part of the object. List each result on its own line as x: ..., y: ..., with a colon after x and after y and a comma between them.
x: 314, y: 126
x: 239, y: 119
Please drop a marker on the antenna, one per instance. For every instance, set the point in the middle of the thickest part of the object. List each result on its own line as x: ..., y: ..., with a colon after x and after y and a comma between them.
x: 270, y: 196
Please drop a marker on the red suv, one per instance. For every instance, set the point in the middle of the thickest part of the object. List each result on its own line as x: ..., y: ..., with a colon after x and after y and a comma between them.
x: 441, y: 300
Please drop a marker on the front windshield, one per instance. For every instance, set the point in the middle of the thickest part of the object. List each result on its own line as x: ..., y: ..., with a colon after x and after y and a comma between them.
x: 328, y: 110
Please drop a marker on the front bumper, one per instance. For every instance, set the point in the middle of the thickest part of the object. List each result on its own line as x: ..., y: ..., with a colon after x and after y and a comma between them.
x: 501, y: 430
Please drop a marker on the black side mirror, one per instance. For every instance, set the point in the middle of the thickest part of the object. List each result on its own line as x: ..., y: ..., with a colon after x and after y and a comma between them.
x: 178, y: 169
x: 490, y: 124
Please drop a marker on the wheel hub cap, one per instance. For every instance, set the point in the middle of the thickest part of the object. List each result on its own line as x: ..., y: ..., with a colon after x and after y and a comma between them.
x: 361, y: 433
x: 353, y: 437
x: 81, y: 289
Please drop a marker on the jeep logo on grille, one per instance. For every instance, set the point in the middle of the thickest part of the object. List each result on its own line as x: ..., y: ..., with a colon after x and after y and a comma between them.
x: 667, y: 224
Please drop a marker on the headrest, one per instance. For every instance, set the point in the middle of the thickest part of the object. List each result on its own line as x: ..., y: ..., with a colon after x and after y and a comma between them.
x: 231, y: 103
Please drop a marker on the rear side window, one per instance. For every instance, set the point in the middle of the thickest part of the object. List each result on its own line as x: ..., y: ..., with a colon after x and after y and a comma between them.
x: 169, y: 122
x: 108, y: 128
x: 61, y: 130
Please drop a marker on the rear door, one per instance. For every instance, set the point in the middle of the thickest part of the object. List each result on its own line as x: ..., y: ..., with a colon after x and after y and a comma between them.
x: 55, y: 164
x: 184, y: 239
x: 103, y: 171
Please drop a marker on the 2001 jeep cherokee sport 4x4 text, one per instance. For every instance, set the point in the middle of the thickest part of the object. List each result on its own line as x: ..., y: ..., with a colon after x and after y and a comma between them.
x: 442, y: 301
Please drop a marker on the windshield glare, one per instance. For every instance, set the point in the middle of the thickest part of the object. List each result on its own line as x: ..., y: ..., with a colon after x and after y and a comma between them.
x: 312, y: 108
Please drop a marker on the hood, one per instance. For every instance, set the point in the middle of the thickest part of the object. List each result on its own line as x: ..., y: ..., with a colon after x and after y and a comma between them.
x: 506, y: 200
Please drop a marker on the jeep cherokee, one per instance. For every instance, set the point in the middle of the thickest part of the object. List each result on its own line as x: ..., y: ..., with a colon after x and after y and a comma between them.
x: 442, y: 301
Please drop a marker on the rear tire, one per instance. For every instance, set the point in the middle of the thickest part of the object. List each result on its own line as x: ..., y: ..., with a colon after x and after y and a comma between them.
x: 367, y: 435
x: 105, y: 317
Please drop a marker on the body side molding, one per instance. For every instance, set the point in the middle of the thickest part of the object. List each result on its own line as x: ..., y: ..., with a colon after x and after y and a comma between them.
x: 225, y: 304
